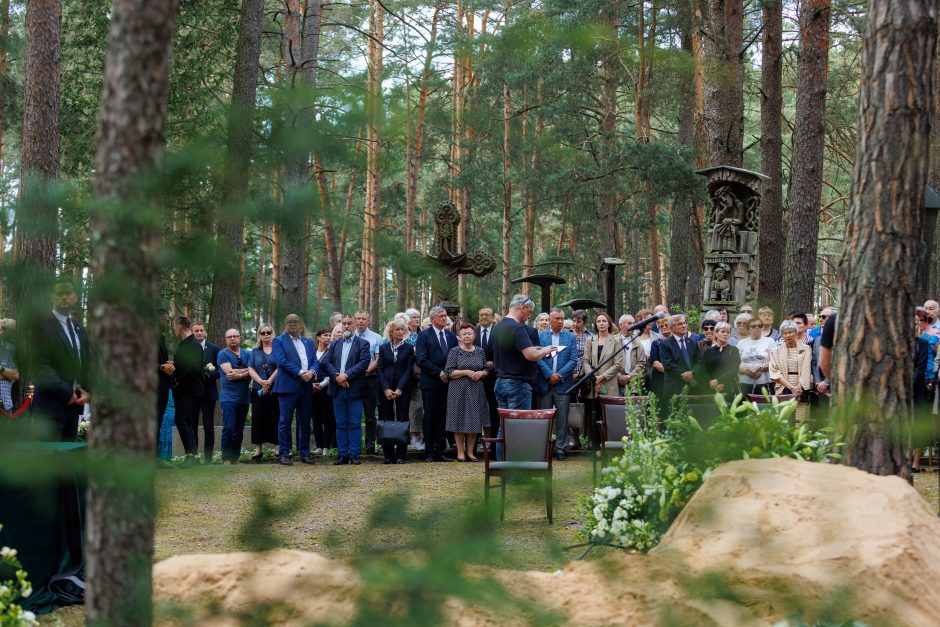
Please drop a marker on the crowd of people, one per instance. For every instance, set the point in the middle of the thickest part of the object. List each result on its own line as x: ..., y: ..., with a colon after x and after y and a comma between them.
x: 444, y: 380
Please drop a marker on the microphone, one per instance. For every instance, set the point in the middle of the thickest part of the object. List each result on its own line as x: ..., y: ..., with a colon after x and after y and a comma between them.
x: 650, y: 320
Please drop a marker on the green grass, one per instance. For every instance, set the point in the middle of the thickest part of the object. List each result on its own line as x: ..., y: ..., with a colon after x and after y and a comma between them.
x: 201, y: 509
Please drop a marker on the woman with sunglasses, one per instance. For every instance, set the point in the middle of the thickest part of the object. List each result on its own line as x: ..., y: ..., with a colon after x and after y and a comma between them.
x: 262, y: 368
x: 755, y: 352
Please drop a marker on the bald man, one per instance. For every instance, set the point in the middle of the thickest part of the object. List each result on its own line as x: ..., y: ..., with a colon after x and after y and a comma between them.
x: 933, y: 310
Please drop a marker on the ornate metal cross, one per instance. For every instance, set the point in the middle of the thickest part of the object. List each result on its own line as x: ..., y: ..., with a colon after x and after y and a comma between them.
x: 451, y: 262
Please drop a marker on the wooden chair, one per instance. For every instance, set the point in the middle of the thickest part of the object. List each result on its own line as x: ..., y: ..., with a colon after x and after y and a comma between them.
x: 702, y: 407
x: 613, y: 426
x: 527, y: 451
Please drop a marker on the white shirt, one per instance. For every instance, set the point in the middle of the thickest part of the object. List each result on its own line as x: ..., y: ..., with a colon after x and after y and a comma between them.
x: 64, y: 321
x: 556, y: 341
x: 325, y: 380
x: 302, y: 351
x: 627, y: 357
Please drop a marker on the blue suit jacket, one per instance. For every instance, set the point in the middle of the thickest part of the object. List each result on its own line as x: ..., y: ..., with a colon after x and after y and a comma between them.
x: 431, y: 359
x: 288, y: 364
x: 567, y: 360
x: 356, y: 364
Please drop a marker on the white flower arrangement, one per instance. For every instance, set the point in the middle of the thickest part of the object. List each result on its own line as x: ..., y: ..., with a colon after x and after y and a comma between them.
x: 12, y: 590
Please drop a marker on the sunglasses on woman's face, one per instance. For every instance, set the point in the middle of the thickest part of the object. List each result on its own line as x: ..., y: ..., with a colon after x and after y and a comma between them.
x: 265, y: 333
x: 757, y: 326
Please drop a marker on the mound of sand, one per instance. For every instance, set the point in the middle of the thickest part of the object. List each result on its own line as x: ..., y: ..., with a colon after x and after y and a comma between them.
x: 760, y: 541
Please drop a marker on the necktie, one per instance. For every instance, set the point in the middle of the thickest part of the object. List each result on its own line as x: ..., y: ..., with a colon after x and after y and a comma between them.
x: 443, y: 343
x: 72, y: 338
x: 485, y: 338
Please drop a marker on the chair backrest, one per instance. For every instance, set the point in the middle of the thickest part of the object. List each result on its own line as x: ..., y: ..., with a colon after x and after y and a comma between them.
x: 614, y: 414
x: 702, y: 407
x: 527, y: 434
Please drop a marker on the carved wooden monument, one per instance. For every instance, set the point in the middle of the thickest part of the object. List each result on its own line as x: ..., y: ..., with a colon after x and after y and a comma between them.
x: 731, y: 222
x: 451, y: 262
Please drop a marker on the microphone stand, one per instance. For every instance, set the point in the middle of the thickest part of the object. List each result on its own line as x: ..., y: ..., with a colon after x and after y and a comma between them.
x: 590, y: 375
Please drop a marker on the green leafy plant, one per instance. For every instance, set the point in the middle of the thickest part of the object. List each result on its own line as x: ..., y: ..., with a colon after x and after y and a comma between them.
x: 11, y: 590
x: 643, y: 490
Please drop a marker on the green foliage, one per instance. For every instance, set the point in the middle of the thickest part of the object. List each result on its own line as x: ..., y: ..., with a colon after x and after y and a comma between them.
x: 644, y: 490
x: 11, y: 590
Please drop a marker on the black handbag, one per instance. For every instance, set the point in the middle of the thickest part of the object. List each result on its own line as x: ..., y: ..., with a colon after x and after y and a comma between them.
x: 391, y: 432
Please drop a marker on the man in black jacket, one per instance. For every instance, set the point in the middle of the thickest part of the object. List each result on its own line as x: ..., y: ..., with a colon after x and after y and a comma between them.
x: 210, y: 378
x: 188, y: 388
x: 59, y: 359
x: 680, y: 358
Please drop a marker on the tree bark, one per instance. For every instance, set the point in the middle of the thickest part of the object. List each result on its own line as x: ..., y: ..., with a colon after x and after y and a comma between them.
x: 609, y: 84
x: 302, y: 44
x: 770, y: 244
x: 4, y: 78
x: 507, y: 196
x: 724, y: 83
x: 926, y: 269
x: 329, y: 238
x: 683, y: 208
x: 369, y: 269
x: 806, y: 168
x: 37, y: 213
x: 120, y: 508
x: 874, y: 348
x: 415, y: 148
x: 227, y: 282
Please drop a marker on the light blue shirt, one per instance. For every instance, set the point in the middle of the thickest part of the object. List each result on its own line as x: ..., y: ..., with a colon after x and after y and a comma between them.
x: 374, y: 340
x: 347, y: 346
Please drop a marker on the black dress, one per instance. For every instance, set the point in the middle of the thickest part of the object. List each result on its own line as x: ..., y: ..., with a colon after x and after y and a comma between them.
x: 264, y: 409
x: 722, y: 365
x: 467, y: 409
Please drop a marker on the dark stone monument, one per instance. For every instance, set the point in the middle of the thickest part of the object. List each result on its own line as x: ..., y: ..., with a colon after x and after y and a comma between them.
x: 731, y: 221
x: 450, y: 262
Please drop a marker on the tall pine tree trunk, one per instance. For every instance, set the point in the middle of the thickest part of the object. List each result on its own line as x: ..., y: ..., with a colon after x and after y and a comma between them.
x: 120, y: 509
x: 227, y: 283
x: 4, y: 77
x: 329, y: 238
x: 806, y: 169
x: 609, y: 83
x: 36, y: 214
x: 369, y: 266
x: 874, y: 344
x: 415, y: 148
x: 683, y: 208
x: 770, y: 244
x: 302, y: 41
x: 507, y: 196
x: 724, y: 83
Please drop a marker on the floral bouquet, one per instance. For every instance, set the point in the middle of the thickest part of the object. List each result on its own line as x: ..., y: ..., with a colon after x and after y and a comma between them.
x: 13, y: 589
x: 209, y: 369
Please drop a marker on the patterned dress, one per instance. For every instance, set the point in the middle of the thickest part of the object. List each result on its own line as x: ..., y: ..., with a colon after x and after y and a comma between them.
x: 467, y: 409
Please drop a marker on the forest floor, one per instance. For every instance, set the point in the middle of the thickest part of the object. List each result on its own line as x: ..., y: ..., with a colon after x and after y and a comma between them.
x: 331, y: 510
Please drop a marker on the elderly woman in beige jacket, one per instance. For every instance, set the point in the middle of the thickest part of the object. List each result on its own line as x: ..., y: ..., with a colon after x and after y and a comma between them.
x: 790, y: 368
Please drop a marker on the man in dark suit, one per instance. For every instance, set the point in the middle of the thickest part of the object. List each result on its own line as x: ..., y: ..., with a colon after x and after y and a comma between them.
x: 293, y: 387
x: 187, y: 384
x: 345, y: 363
x: 431, y: 350
x: 680, y: 358
x: 210, y: 378
x: 59, y: 358
x: 483, y: 339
